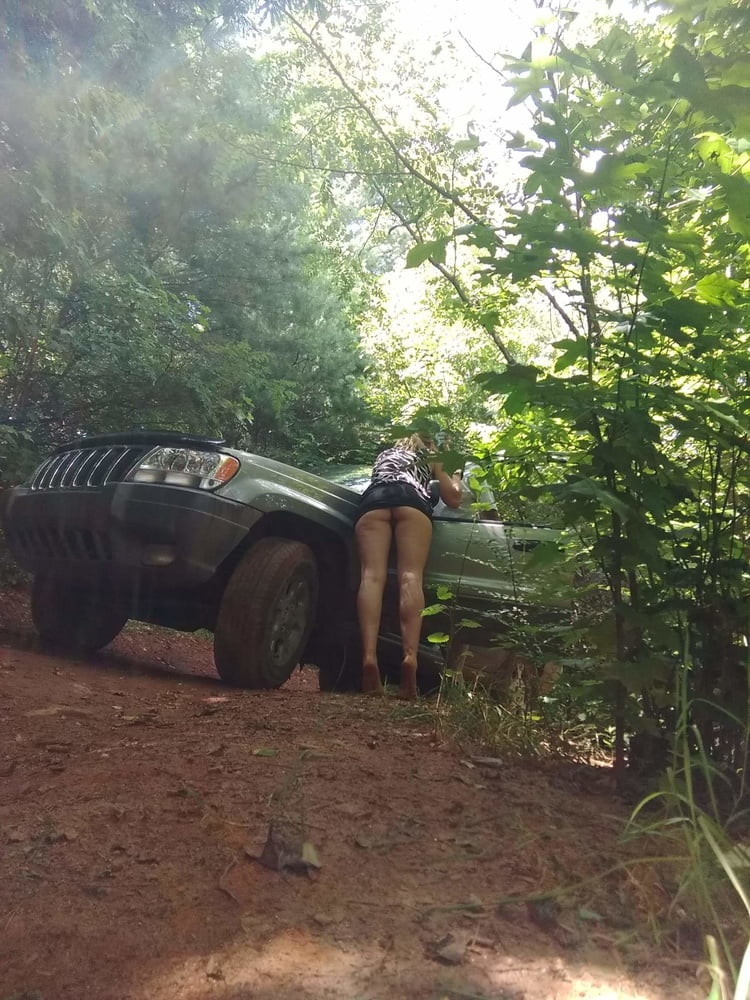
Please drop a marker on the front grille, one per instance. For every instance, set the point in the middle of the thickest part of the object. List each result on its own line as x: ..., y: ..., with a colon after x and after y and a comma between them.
x: 61, y: 543
x: 86, y: 467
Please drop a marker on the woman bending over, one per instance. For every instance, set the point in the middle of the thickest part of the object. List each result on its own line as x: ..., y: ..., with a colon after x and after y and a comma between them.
x: 397, y: 504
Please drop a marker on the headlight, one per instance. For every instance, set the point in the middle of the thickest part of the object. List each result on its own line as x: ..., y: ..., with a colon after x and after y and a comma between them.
x: 204, y: 470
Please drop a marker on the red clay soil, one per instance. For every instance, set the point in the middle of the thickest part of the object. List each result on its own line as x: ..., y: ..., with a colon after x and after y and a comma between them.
x: 136, y: 794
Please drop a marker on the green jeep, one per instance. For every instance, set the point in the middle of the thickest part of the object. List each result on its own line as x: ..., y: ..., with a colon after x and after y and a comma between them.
x: 185, y: 532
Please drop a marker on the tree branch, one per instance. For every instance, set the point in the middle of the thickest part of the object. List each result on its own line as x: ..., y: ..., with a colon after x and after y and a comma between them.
x: 559, y: 309
x: 370, y: 115
x: 452, y: 279
x: 481, y: 58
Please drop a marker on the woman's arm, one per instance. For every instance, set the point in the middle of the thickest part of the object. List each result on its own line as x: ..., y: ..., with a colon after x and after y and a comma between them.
x: 450, y: 486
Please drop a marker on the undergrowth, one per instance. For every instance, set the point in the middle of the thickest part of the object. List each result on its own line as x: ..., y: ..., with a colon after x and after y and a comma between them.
x: 692, y: 831
x: 466, y: 713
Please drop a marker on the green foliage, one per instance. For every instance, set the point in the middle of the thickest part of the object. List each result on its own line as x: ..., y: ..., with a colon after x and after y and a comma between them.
x: 417, y: 364
x: 631, y: 220
x: 156, y: 268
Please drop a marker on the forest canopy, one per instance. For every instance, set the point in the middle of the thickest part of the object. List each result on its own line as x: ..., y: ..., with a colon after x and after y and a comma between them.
x: 158, y: 267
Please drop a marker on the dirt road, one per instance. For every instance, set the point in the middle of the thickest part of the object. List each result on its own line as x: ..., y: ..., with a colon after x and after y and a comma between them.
x: 136, y: 794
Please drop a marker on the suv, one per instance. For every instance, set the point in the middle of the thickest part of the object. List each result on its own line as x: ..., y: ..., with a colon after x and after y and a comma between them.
x: 185, y: 532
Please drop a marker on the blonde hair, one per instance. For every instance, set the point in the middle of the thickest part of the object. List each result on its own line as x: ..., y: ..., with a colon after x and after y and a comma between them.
x: 416, y: 442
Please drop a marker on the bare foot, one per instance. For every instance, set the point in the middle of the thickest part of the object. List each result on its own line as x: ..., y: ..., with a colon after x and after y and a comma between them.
x: 408, y: 686
x: 371, y: 683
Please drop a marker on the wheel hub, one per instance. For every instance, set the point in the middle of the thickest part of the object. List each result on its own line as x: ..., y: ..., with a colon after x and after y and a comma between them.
x: 290, y: 620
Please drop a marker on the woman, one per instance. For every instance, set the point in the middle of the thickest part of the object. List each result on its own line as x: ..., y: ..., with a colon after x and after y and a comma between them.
x: 397, y: 503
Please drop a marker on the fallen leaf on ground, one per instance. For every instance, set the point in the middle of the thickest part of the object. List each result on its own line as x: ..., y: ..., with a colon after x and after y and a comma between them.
x: 467, y: 781
x: 489, y: 761
x: 351, y: 808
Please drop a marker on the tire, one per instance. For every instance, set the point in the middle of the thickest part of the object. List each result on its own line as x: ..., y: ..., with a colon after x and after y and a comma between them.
x: 266, y: 614
x: 74, y: 619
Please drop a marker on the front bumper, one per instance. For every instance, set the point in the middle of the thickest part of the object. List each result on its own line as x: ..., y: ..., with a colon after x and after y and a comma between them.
x: 126, y: 533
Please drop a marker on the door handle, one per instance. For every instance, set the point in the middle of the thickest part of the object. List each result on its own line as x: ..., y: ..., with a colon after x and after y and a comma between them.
x: 526, y: 544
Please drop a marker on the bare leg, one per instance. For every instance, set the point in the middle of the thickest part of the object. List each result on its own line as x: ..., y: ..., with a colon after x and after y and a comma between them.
x: 373, y: 531
x: 413, y: 536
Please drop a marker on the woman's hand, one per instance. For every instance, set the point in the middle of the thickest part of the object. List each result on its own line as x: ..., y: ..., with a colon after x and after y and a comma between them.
x: 450, y: 486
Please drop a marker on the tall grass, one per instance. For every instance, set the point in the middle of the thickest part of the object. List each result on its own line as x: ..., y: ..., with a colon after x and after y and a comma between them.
x: 465, y: 714
x: 721, y: 967
x: 700, y: 810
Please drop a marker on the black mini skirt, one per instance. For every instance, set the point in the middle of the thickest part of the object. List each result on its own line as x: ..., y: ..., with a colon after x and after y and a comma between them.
x: 383, y: 496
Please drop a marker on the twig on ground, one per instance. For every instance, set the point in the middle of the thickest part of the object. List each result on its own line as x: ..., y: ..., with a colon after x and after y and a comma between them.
x: 223, y: 875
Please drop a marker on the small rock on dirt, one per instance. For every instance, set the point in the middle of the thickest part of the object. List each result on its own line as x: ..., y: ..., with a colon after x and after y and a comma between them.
x: 451, y: 949
x: 214, y: 970
x: 544, y: 912
x: 285, y: 847
x: 333, y: 916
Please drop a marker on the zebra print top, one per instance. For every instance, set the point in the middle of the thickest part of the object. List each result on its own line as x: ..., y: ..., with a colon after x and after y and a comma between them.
x: 397, y: 465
